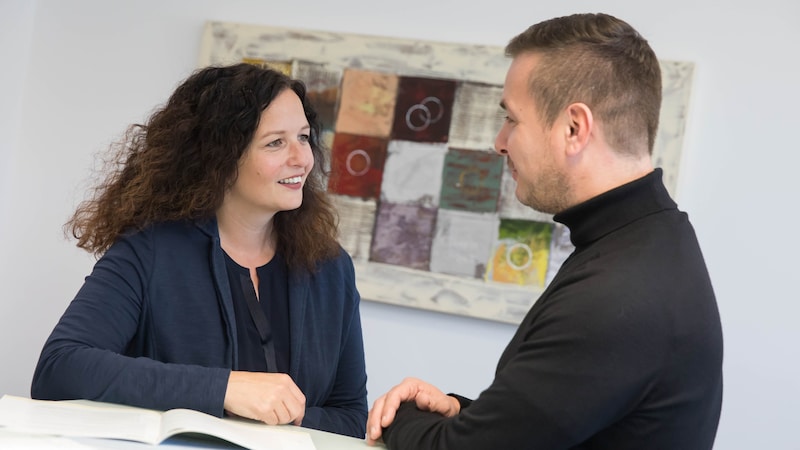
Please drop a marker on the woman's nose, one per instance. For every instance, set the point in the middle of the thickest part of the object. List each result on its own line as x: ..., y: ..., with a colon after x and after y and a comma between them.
x: 301, y: 154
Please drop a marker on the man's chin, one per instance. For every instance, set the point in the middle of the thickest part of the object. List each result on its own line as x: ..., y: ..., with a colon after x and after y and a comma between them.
x: 535, y: 205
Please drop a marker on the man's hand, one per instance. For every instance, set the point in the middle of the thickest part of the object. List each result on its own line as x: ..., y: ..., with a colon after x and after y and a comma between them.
x: 272, y: 398
x: 426, y: 396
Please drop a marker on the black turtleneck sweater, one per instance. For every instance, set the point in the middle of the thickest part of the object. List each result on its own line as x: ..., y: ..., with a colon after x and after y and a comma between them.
x: 622, y: 351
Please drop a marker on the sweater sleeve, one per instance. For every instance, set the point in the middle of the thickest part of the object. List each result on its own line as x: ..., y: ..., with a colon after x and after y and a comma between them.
x: 85, y: 355
x: 566, y: 377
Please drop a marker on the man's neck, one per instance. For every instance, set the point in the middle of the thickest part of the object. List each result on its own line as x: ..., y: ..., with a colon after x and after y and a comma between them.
x: 607, y: 174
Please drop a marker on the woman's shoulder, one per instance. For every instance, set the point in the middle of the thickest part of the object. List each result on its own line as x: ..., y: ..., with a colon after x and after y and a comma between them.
x: 167, y: 235
x: 172, y: 228
x: 341, y: 261
x: 335, y: 269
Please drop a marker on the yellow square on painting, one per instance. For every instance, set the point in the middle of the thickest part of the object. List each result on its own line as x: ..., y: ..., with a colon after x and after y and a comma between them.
x: 284, y: 67
x: 521, y: 253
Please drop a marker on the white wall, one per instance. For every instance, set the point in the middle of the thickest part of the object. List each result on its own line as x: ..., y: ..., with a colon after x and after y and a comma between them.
x: 76, y: 73
x: 16, y: 25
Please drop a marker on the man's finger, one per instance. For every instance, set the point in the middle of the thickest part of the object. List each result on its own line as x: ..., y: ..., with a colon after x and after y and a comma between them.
x: 374, y: 419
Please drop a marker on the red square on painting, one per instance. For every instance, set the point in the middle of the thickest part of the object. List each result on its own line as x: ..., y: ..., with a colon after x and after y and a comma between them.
x: 357, y: 165
x: 423, y: 109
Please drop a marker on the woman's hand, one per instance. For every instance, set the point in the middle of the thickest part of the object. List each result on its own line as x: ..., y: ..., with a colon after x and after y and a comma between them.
x: 272, y: 398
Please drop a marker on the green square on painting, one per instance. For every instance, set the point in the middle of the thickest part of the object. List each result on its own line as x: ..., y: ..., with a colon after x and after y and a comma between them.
x: 471, y: 180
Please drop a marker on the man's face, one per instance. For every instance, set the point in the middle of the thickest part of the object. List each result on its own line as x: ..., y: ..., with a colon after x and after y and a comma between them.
x: 533, y: 149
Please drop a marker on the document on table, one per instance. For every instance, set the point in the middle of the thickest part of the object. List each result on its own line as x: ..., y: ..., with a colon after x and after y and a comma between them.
x: 101, y: 420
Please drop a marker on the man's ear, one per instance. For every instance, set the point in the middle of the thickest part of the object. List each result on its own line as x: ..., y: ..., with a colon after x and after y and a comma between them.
x: 579, y: 127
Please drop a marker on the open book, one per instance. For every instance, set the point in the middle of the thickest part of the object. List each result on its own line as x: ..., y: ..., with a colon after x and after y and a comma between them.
x: 103, y: 420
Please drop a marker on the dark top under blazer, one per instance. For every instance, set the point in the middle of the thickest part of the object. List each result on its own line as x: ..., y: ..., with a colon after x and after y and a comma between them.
x: 622, y: 351
x: 153, y: 326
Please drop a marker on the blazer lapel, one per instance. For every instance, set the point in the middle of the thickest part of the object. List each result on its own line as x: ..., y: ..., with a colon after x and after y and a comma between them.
x: 298, y: 301
x: 217, y: 262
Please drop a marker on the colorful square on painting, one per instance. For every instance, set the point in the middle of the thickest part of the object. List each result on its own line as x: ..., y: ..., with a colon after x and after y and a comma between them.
x: 463, y: 242
x: 521, y: 253
x: 357, y: 165
x: 367, y: 102
x: 423, y: 109
x: 322, y: 87
x: 471, y: 180
x: 356, y: 221
x: 412, y: 174
x: 403, y: 235
x: 284, y: 67
x: 477, y: 116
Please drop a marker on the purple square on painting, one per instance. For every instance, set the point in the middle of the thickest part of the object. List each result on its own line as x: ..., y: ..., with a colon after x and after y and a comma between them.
x: 403, y: 235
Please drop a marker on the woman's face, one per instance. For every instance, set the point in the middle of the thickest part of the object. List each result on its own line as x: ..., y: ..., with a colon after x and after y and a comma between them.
x: 274, y: 168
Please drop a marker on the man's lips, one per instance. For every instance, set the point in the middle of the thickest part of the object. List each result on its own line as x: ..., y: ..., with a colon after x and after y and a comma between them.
x: 512, y: 170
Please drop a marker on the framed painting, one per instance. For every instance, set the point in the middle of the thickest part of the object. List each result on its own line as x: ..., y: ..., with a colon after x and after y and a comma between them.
x: 427, y: 209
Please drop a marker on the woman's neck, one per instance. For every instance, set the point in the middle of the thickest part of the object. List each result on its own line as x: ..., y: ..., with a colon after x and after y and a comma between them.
x: 248, y: 241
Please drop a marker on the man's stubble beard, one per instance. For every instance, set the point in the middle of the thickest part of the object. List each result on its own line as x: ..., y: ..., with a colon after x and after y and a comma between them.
x: 550, y: 193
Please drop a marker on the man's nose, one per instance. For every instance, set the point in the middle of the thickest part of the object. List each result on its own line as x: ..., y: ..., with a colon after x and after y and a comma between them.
x: 500, y: 141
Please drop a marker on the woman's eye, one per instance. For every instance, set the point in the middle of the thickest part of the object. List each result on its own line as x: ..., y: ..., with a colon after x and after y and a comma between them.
x: 275, y: 143
x: 304, y: 138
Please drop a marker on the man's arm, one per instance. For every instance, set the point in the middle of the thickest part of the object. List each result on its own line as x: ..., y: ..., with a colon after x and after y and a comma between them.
x: 576, y: 369
x: 425, y: 396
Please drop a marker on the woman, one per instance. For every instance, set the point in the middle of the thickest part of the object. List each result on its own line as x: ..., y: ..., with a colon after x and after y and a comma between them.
x: 220, y: 285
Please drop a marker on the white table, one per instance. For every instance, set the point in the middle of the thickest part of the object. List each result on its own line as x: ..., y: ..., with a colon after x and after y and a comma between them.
x: 68, y: 418
x: 10, y: 440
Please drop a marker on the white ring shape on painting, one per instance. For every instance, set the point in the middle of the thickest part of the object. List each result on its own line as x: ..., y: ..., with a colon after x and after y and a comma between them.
x: 349, y: 166
x: 524, y: 247
x: 423, y: 112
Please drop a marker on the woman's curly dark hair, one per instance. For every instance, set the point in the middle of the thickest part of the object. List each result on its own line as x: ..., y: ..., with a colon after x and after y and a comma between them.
x: 179, y: 165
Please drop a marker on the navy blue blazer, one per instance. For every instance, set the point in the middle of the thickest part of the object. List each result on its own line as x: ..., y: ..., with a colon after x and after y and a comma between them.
x: 153, y: 326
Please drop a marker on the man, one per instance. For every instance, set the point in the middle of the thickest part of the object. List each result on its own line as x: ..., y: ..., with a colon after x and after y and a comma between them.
x: 624, y: 348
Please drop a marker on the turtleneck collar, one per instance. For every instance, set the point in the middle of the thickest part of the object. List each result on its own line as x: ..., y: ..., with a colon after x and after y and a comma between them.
x: 611, y: 210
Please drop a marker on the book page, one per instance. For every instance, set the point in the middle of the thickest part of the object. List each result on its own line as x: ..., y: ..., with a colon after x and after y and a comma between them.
x: 111, y: 421
x: 71, y: 419
x: 248, y: 434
